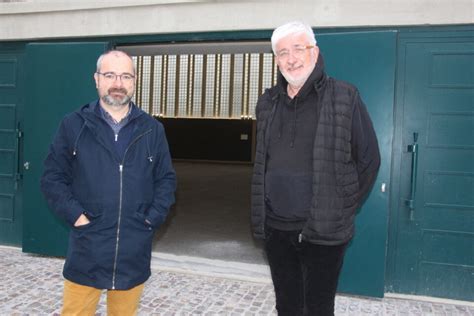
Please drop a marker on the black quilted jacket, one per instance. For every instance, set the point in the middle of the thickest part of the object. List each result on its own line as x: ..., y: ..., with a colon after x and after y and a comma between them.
x: 341, y: 176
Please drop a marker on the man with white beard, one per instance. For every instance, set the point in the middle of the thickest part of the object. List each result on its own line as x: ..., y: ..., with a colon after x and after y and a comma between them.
x: 316, y: 159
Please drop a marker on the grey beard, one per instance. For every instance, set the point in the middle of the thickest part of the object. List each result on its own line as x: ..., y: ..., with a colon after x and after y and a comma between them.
x: 296, y: 83
x: 116, y: 102
x: 300, y: 82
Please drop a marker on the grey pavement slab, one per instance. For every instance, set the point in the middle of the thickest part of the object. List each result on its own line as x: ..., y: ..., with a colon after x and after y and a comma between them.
x: 32, y: 285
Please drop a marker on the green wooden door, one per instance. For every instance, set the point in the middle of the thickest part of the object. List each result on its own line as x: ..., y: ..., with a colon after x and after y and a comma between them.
x: 59, y: 80
x: 350, y: 57
x: 432, y: 245
x: 10, y: 146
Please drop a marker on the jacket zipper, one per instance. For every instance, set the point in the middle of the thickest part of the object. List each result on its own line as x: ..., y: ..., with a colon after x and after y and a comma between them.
x: 120, y: 205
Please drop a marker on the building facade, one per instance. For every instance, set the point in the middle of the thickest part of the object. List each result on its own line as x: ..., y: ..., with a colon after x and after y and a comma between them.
x: 413, y: 62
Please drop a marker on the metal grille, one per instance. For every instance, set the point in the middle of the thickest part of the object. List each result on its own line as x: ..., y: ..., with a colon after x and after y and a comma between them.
x: 203, y: 85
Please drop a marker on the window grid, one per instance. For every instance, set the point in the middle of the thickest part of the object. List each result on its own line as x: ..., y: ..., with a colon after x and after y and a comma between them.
x: 207, y: 86
x: 225, y: 85
x: 198, y: 77
x: 145, y: 82
x: 170, y: 86
x: 157, y: 85
x: 238, y: 75
x: 182, y: 92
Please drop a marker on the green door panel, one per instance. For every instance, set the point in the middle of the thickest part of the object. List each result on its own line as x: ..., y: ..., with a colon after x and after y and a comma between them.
x: 432, y: 248
x: 10, y: 146
x: 367, y: 60
x: 59, y: 80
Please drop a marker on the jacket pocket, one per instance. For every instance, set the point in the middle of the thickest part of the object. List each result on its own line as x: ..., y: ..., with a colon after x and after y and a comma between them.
x: 347, y: 180
x: 89, y: 249
x: 143, y: 221
x: 141, y: 217
x: 94, y: 213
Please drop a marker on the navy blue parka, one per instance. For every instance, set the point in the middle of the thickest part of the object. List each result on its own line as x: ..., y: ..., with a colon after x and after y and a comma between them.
x: 126, y: 196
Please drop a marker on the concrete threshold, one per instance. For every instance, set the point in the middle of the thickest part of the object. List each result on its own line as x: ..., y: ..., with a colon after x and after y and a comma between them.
x: 211, y: 267
x: 429, y: 299
x: 254, y: 273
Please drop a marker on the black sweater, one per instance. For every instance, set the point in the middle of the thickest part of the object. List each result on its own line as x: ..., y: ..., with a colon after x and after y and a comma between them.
x: 288, y: 177
x: 288, y: 167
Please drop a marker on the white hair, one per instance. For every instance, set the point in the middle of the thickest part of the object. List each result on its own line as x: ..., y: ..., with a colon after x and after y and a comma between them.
x: 295, y: 27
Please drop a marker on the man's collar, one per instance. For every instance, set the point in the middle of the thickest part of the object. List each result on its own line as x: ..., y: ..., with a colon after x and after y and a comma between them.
x: 106, y: 115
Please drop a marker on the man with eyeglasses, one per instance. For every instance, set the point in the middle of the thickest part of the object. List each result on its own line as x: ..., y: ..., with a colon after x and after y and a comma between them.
x: 109, y: 176
x: 316, y: 159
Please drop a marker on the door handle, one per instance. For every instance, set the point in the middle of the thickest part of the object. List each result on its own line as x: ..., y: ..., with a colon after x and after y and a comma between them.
x: 18, y: 175
x: 413, y: 149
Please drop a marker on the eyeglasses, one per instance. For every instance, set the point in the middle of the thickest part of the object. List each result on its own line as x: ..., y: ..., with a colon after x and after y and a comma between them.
x: 112, y: 76
x: 297, y: 51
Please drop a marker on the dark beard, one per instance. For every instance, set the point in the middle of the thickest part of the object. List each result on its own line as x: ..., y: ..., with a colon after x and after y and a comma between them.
x: 116, y: 102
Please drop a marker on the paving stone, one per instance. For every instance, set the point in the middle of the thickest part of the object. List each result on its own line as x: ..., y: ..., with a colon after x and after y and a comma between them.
x: 33, y: 285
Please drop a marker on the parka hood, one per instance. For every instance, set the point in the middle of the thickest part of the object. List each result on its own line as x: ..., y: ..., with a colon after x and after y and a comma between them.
x: 315, y: 81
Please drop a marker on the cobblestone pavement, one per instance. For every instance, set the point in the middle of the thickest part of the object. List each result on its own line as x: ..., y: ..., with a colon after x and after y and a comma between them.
x: 32, y: 285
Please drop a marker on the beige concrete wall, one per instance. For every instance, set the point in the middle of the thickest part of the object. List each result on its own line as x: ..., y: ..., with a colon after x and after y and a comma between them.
x: 38, y: 19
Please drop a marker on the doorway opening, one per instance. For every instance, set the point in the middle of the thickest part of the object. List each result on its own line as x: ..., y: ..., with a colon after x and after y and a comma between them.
x: 217, y: 84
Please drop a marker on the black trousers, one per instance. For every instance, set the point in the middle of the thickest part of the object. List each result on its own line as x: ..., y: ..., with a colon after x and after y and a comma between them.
x: 304, y: 275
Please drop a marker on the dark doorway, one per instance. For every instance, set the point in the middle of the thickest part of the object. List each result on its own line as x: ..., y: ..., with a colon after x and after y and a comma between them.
x: 211, y: 218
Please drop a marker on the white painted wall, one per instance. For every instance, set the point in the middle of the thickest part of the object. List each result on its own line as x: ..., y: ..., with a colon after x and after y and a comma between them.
x: 39, y: 19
